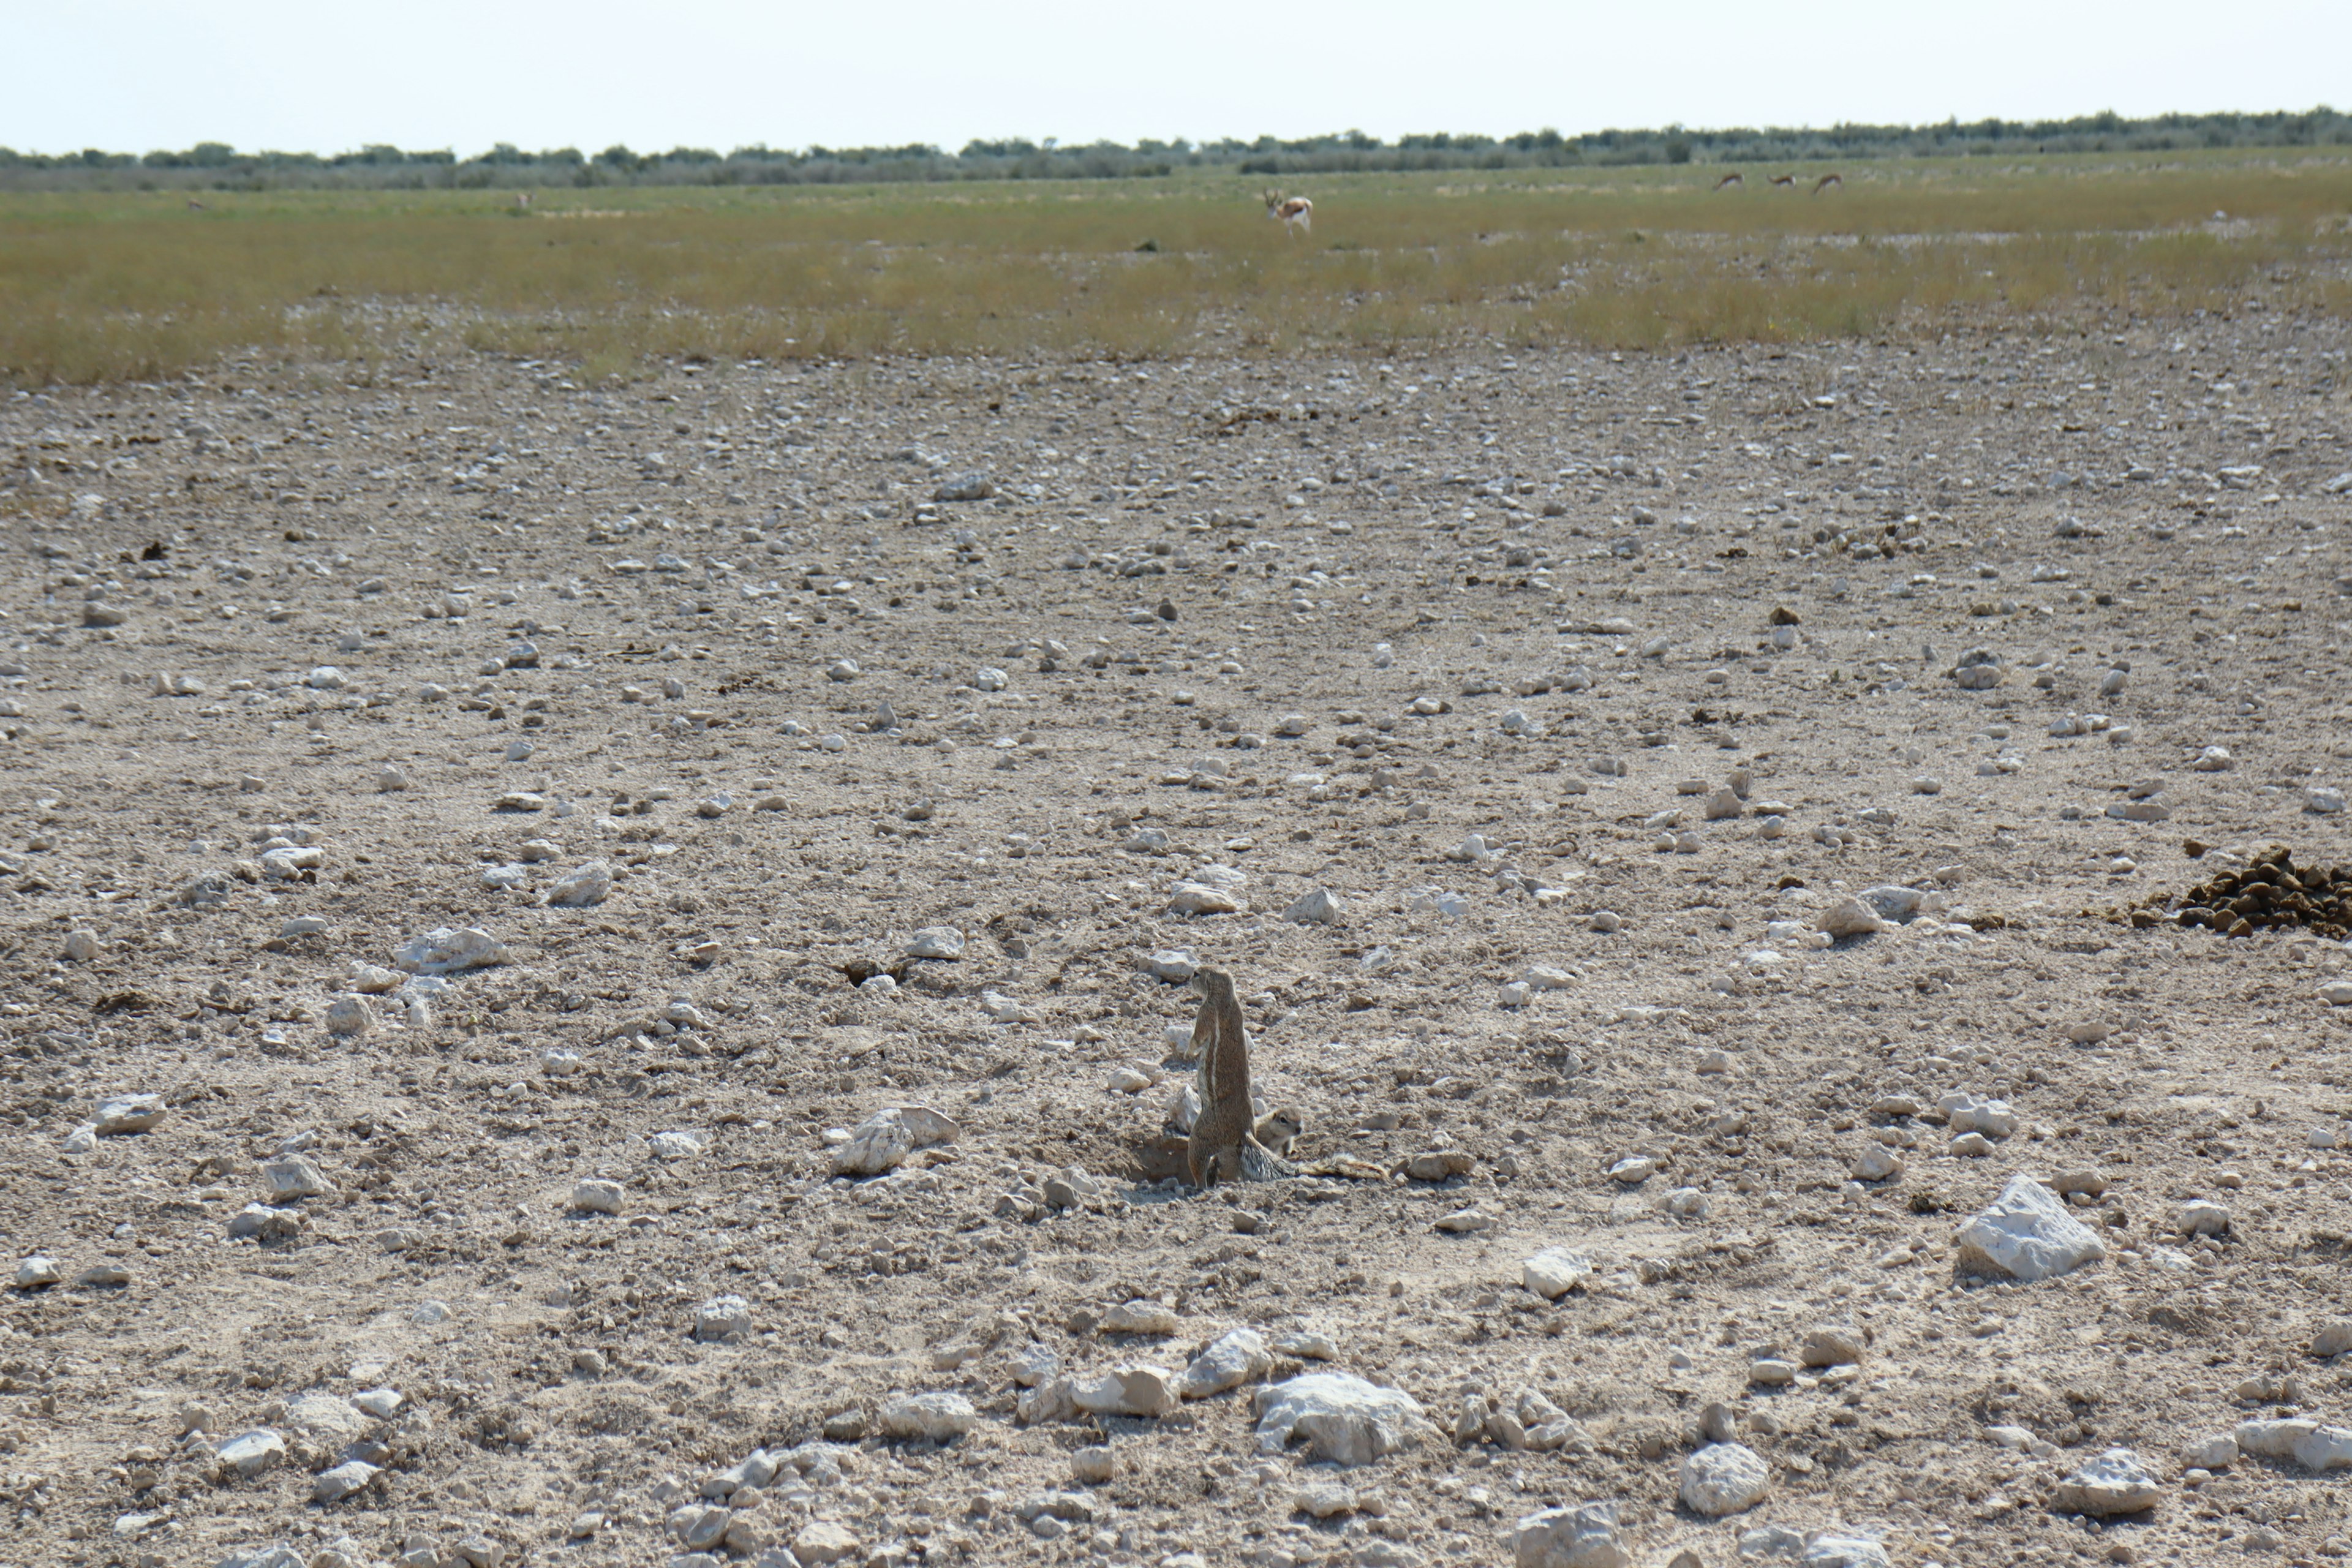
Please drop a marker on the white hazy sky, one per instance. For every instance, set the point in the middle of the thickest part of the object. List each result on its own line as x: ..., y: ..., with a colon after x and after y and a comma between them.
x: 327, y: 76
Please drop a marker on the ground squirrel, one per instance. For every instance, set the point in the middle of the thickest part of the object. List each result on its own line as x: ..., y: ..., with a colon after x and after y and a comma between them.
x: 1224, y: 1143
x: 1278, y: 1129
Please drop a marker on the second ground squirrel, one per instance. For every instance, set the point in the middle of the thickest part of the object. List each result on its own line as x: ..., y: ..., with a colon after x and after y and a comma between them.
x: 1224, y: 1143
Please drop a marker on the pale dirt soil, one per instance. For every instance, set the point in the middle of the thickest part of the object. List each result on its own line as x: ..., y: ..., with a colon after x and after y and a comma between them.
x: 441, y: 513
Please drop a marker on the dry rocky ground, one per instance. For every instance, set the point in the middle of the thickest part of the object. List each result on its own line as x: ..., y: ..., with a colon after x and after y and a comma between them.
x: 301, y: 668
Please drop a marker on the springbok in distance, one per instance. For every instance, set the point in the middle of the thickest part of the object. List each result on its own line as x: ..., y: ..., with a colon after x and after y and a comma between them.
x: 194, y: 205
x: 522, y: 201
x: 1788, y: 180
x: 1825, y: 181
x: 1731, y: 179
x: 1296, y: 212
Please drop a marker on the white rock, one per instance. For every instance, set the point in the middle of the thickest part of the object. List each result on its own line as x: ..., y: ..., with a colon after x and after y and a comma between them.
x: 1130, y: 1389
x: 293, y: 1177
x: 885, y: 1139
x: 597, y: 1197
x: 723, y: 1319
x: 2217, y: 1452
x: 81, y: 946
x: 1581, y: 1537
x: 264, y: 1223
x: 36, y: 1272
x: 2214, y: 760
x: 2333, y: 1339
x: 428, y: 1313
x: 676, y: 1145
x: 1003, y: 1009
x: 251, y: 1453
x: 1877, y: 1162
x: 382, y: 1403
x: 1633, y: 1170
x: 2027, y: 1235
x: 1140, y: 1316
x: 1343, y: 1419
x: 2310, y: 1443
x: 1200, y: 899
x: 1827, y: 1550
x: 937, y: 1417
x: 326, y: 1416
x: 820, y: 1543
x: 1723, y: 1478
x: 1321, y: 907
x: 936, y: 941
x: 1233, y: 1358
x: 586, y: 885
x: 368, y: 980
x: 2202, y: 1218
x: 348, y: 1017
x: 1850, y: 917
x: 2326, y: 801
x: 124, y: 1113
x: 2337, y: 994
x: 1517, y: 993
x: 1970, y: 1113
x: 2115, y: 1482
x: 445, y: 952
x: 346, y: 1479
x: 1175, y: 964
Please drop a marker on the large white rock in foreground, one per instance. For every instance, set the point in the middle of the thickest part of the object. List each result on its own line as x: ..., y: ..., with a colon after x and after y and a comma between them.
x: 1581, y: 1537
x: 2026, y: 1235
x: 1340, y: 1418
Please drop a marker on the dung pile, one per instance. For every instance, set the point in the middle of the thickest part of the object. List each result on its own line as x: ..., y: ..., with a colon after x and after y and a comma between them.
x: 2272, y: 892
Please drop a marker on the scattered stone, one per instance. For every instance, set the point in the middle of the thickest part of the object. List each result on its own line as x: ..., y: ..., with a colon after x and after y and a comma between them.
x: 348, y: 1017
x: 822, y: 1542
x: 1132, y: 1390
x: 251, y: 1454
x: 936, y: 941
x: 1556, y: 1270
x: 723, y: 1319
x: 446, y: 951
x: 1850, y: 917
x: 293, y: 1177
x: 2311, y: 1444
x: 1321, y: 907
x: 1342, y: 1419
x: 346, y: 1479
x: 1723, y: 1478
x: 2115, y: 1482
x: 1232, y: 1359
x: 1140, y: 1316
x: 1832, y: 1345
x: 589, y: 884
x: 884, y: 1140
x: 934, y: 1418
x: 127, y: 1113
x: 2026, y: 1235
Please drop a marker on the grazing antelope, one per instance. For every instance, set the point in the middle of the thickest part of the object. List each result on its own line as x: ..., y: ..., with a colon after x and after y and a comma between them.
x: 1784, y: 178
x: 522, y: 201
x: 1826, y: 182
x: 1296, y: 212
x: 194, y: 205
x: 1730, y: 179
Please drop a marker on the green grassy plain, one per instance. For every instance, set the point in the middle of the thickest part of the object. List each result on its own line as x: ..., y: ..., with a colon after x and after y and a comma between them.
x: 134, y: 286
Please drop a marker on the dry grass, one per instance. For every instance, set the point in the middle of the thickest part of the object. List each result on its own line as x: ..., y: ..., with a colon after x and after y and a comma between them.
x: 108, y: 287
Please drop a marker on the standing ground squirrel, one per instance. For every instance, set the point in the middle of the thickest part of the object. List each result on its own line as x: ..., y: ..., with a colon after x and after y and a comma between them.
x: 1224, y: 1143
